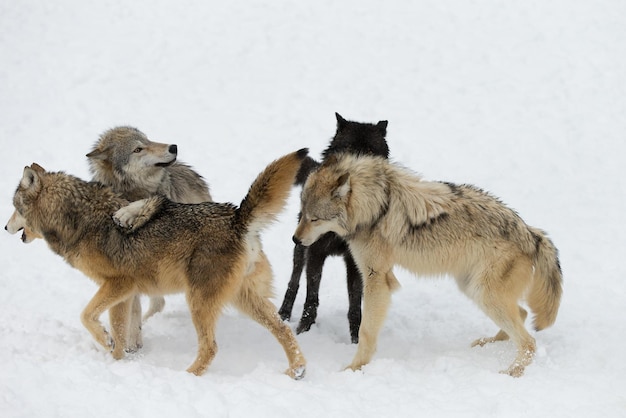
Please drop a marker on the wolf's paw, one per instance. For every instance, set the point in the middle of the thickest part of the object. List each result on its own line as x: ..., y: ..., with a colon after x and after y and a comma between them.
x: 297, y: 373
x: 481, y: 342
x: 354, y: 368
x: 131, y: 216
x: 515, y: 370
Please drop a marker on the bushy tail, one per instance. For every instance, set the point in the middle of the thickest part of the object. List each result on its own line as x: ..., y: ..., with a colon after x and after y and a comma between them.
x: 545, y: 294
x: 269, y: 192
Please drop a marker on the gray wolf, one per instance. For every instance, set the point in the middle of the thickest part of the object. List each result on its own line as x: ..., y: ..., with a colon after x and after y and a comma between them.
x: 135, y: 167
x: 210, y: 251
x: 388, y: 215
x: 355, y: 138
x: 124, y: 159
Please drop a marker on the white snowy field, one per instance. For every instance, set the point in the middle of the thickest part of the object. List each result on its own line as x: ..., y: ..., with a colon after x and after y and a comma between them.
x: 525, y: 99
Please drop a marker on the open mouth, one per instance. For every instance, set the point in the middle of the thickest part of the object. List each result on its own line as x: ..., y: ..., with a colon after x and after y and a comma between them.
x: 166, y: 164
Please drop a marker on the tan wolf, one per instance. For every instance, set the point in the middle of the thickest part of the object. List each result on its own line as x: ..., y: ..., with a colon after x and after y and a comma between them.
x: 125, y: 159
x: 210, y: 251
x: 391, y: 216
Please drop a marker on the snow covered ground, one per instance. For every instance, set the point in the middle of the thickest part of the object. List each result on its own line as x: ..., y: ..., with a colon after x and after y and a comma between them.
x: 525, y: 99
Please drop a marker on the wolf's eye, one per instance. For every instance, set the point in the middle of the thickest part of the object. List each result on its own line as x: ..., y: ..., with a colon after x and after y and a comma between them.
x: 137, y: 150
x: 314, y: 219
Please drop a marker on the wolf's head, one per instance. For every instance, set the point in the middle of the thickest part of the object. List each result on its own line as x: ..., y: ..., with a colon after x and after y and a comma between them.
x: 358, y: 139
x: 324, y: 203
x: 124, y: 153
x: 17, y: 223
x: 24, y: 198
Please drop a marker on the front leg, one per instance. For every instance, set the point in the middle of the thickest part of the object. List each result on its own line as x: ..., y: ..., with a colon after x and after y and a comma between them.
x: 136, y: 214
x: 110, y: 294
x: 122, y: 325
x: 376, y: 299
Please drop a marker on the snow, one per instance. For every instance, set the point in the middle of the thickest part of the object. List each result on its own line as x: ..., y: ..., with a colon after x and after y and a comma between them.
x: 524, y: 99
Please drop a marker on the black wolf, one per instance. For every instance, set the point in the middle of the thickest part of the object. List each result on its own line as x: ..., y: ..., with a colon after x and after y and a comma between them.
x: 353, y: 138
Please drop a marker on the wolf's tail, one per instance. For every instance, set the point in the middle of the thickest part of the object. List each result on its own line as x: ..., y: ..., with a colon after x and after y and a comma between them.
x: 269, y: 192
x: 545, y: 295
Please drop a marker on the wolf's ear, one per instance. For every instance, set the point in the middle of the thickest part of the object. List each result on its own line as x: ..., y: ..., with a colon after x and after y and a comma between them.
x: 382, y: 127
x: 30, y: 178
x: 343, y: 186
x: 98, y: 154
x: 37, y: 168
x: 341, y: 122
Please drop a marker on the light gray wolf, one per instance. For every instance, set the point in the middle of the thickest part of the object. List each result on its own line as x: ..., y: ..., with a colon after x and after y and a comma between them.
x: 351, y: 137
x: 210, y: 251
x: 135, y: 167
x: 389, y: 215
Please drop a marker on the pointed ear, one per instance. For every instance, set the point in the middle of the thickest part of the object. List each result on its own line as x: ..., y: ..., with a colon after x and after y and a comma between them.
x: 98, y: 154
x: 382, y: 127
x: 36, y: 167
x: 30, y: 179
x: 343, y: 186
x: 341, y: 122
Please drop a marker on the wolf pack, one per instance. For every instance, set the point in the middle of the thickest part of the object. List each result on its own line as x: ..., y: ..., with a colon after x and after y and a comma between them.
x: 146, y: 224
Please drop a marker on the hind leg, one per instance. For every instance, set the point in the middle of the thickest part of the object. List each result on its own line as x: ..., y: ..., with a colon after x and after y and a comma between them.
x: 253, y: 300
x: 204, y: 314
x: 499, y: 302
x: 501, y: 335
x: 299, y: 254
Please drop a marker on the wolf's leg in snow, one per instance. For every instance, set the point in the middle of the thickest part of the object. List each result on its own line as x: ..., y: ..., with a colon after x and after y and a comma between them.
x: 135, y: 340
x: 501, y: 335
x: 376, y: 300
x: 110, y: 294
x: 299, y: 257
x: 253, y: 300
x: 499, y: 302
x: 121, y: 326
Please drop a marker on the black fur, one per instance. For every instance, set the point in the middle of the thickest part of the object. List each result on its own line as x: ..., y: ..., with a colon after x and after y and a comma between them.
x: 353, y: 138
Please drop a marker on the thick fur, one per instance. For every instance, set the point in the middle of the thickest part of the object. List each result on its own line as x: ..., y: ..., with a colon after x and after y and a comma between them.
x: 389, y: 216
x: 135, y: 167
x: 210, y: 251
x: 354, y: 138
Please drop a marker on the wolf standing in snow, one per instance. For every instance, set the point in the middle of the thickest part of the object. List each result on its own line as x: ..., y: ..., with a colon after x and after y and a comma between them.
x: 389, y: 216
x: 210, y: 251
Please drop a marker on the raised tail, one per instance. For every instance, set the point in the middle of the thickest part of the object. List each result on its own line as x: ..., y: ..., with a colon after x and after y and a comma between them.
x: 545, y: 295
x: 269, y: 192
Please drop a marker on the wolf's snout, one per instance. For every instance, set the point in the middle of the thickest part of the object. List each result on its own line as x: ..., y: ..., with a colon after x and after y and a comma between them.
x: 173, y: 149
x: 296, y: 240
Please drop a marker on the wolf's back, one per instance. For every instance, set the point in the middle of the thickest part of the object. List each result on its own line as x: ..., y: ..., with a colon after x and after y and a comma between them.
x: 269, y: 192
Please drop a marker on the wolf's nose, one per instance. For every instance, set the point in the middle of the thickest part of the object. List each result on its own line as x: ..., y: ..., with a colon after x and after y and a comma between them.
x: 296, y: 240
x: 173, y: 149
